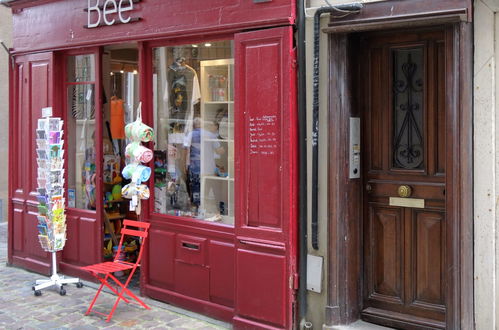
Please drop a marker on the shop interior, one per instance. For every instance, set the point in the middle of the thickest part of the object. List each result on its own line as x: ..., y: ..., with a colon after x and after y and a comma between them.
x: 120, y: 81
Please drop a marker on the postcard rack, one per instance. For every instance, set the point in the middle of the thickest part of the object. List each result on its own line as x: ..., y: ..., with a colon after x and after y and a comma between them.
x: 51, y: 202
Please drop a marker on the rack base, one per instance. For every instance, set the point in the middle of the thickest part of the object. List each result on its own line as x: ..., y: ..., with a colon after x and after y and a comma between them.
x: 55, y: 280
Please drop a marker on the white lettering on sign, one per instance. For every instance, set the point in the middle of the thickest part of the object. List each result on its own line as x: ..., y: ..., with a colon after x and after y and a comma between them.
x: 109, y: 8
x: 262, y: 135
x: 108, y: 12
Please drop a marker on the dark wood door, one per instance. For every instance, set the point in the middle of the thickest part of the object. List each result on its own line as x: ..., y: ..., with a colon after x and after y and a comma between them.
x: 405, y: 227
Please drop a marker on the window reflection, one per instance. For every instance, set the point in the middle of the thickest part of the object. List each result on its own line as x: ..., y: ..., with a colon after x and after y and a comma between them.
x: 81, y: 132
x: 194, y: 146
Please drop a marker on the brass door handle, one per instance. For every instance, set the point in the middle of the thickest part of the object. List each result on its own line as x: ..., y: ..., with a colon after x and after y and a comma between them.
x: 369, y: 188
x: 404, y: 191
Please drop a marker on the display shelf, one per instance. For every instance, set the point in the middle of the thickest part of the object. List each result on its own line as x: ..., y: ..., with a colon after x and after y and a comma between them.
x: 214, y: 177
x: 217, y: 142
x: 116, y: 201
x: 116, y: 216
x: 218, y: 102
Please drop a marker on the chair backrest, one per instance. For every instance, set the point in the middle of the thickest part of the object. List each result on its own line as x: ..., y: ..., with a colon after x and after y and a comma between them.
x: 126, y: 231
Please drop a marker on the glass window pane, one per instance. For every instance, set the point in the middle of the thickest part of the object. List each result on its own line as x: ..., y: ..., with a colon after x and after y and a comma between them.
x: 80, y: 134
x: 193, y: 119
x: 408, y: 108
x: 81, y: 68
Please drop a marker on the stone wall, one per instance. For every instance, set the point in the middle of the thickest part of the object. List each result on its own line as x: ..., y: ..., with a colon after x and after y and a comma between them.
x: 6, y: 36
x: 486, y: 166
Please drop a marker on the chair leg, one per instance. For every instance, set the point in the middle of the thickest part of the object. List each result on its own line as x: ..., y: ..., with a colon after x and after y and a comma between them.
x: 103, y: 281
x: 115, y: 291
x: 120, y: 293
x: 125, y: 289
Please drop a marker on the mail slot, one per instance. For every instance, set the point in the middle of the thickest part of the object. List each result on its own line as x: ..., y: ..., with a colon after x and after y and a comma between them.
x: 407, y: 202
x: 191, y: 249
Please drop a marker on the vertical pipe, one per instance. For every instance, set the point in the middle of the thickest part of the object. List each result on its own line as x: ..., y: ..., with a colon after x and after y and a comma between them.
x: 302, y: 144
x: 353, y: 8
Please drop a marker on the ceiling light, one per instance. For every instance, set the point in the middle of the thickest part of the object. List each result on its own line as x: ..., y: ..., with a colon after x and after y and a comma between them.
x: 207, y: 45
x: 195, y: 46
x: 135, y: 72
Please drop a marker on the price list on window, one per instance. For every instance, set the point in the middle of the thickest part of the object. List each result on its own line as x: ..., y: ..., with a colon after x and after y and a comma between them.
x: 263, y: 136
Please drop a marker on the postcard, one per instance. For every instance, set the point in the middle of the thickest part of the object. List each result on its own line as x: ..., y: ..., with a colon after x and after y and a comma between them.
x: 55, y: 124
x: 41, y: 199
x: 41, y: 143
x: 43, y: 124
x: 42, y: 154
x: 41, y: 134
x: 42, y: 229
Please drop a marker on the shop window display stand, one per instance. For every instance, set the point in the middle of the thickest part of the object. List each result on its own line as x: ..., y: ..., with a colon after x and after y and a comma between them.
x: 51, y: 218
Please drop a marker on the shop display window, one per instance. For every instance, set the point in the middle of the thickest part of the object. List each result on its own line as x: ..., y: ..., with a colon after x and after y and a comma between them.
x: 80, y: 88
x: 193, y: 121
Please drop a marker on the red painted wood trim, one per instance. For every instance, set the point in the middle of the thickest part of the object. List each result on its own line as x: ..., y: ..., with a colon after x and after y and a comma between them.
x: 12, y: 133
x: 64, y: 21
x: 99, y: 149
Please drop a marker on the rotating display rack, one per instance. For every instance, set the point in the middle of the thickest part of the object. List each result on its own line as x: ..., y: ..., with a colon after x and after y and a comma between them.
x: 51, y: 216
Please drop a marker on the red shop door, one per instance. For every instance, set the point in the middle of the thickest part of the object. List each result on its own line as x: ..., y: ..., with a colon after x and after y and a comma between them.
x: 266, y: 171
x: 84, y: 229
x: 32, y: 88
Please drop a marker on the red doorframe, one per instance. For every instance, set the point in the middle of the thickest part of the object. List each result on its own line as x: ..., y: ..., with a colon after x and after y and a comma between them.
x: 84, y: 227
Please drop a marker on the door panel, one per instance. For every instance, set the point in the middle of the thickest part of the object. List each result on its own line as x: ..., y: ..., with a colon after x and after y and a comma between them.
x: 265, y: 170
x: 404, y: 136
x: 387, y: 252
x: 17, y: 229
x: 33, y: 75
x: 162, y: 247
x: 429, y: 245
x: 265, y: 301
x: 222, y: 273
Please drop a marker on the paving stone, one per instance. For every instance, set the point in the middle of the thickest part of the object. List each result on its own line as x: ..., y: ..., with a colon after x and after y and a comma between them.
x: 20, y: 309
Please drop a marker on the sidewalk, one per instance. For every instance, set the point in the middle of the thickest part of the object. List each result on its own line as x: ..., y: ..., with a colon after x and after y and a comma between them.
x: 20, y: 309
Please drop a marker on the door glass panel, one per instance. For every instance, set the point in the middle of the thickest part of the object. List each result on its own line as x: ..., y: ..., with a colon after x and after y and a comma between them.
x: 193, y: 120
x: 408, y: 108
x: 80, y: 132
x: 81, y: 68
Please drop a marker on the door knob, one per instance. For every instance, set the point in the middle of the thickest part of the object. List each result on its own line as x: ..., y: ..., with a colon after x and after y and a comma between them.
x: 369, y: 188
x: 404, y: 191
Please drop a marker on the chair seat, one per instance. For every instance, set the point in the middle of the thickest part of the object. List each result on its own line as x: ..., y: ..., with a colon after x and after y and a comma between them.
x: 108, y: 267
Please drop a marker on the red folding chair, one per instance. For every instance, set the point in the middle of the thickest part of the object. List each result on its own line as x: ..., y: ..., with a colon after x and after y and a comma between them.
x: 104, y: 271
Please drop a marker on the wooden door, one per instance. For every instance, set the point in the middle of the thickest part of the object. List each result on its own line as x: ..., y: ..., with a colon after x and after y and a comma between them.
x: 33, y: 90
x: 265, y: 165
x: 405, y: 227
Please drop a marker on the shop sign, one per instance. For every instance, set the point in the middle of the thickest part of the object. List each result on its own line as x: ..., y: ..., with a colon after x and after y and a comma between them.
x: 111, y: 12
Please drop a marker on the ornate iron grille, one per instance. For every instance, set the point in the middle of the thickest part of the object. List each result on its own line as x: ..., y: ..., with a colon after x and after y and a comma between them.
x: 408, y: 142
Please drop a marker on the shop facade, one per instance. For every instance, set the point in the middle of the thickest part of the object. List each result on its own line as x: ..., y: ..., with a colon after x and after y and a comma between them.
x: 216, y: 81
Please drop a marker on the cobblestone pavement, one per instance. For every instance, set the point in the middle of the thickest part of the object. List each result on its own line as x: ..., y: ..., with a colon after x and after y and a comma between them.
x: 20, y: 309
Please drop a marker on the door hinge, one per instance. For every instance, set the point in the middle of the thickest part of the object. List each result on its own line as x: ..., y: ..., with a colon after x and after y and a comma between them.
x: 293, y: 281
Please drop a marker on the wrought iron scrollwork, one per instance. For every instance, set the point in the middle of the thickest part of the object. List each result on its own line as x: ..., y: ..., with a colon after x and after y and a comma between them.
x: 408, y: 140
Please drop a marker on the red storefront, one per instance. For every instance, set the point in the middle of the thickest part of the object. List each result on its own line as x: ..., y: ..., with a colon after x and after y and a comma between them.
x: 216, y: 79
